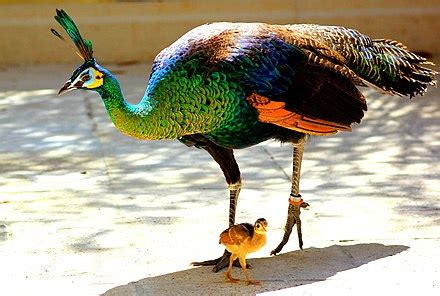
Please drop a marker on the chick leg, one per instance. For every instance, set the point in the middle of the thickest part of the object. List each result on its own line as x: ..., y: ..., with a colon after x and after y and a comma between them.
x: 228, y: 272
x: 225, y: 158
x: 246, y: 273
x: 295, y: 201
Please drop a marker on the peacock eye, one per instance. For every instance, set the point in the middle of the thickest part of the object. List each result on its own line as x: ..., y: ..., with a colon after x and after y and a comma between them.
x: 85, y: 78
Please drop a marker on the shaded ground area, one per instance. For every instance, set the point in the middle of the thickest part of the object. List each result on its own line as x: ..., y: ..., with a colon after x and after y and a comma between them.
x: 85, y: 210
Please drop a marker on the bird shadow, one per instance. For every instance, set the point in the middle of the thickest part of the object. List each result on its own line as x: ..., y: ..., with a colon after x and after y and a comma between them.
x: 284, y: 271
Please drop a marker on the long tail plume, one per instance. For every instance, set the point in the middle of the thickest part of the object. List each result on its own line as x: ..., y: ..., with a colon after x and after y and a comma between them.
x: 403, y: 72
x: 385, y: 64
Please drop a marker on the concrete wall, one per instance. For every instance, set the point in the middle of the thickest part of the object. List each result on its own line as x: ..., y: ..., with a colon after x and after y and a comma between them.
x: 136, y: 31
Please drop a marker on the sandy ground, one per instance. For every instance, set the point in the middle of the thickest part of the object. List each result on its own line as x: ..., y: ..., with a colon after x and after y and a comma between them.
x: 85, y: 210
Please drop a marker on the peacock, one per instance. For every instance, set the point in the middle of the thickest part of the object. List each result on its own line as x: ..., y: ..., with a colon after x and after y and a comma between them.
x: 225, y: 86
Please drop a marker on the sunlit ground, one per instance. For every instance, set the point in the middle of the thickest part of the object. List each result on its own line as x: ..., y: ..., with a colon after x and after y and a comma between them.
x: 84, y: 209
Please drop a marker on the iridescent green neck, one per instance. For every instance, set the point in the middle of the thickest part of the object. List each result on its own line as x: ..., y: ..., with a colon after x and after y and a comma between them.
x: 139, y: 121
x: 178, y: 104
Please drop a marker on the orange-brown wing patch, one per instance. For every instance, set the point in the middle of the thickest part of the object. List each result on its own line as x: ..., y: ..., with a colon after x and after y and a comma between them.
x: 273, y: 112
x: 225, y: 239
x: 234, y: 235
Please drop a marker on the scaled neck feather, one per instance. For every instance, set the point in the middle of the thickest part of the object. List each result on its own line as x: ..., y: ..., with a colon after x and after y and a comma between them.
x: 138, y: 120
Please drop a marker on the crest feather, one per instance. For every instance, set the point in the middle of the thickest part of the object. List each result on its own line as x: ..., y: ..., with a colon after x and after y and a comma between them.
x: 84, y: 46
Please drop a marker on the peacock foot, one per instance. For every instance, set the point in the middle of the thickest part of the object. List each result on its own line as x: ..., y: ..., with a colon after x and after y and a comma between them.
x: 219, y: 263
x: 293, y: 217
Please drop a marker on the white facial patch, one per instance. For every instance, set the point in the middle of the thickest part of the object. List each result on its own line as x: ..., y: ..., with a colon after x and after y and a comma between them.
x: 89, y: 78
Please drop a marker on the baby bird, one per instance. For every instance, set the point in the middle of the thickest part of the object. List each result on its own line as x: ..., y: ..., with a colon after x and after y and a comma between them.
x: 240, y: 240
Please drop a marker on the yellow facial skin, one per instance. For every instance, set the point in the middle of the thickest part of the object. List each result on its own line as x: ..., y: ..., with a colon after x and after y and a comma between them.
x: 97, y: 79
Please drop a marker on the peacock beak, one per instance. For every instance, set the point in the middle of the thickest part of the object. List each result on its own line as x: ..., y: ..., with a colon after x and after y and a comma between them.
x: 68, y: 86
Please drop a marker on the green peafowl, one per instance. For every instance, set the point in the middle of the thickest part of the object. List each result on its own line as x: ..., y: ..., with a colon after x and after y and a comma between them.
x: 225, y: 86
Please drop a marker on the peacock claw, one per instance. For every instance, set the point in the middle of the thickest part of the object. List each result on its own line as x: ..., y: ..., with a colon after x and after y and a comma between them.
x: 294, y: 212
x: 304, y: 205
x: 219, y: 263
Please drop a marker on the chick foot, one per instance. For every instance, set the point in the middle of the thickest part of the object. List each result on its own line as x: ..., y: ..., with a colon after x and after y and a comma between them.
x: 252, y: 282
x: 231, y: 279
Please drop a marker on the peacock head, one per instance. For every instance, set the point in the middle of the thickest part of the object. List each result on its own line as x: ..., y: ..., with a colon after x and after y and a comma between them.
x: 89, y: 75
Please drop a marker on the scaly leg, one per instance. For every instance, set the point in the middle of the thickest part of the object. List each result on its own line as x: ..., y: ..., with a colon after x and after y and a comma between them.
x: 295, y: 200
x: 222, y: 262
x: 225, y: 158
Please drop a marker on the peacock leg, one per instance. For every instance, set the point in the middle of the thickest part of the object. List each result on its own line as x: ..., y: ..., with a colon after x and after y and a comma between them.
x: 295, y: 200
x: 225, y: 158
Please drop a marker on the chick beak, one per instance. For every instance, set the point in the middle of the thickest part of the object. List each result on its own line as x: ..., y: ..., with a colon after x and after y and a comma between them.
x: 68, y: 86
x: 264, y: 227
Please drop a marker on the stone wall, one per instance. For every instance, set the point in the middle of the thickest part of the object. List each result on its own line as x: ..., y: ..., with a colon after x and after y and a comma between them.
x: 124, y: 32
